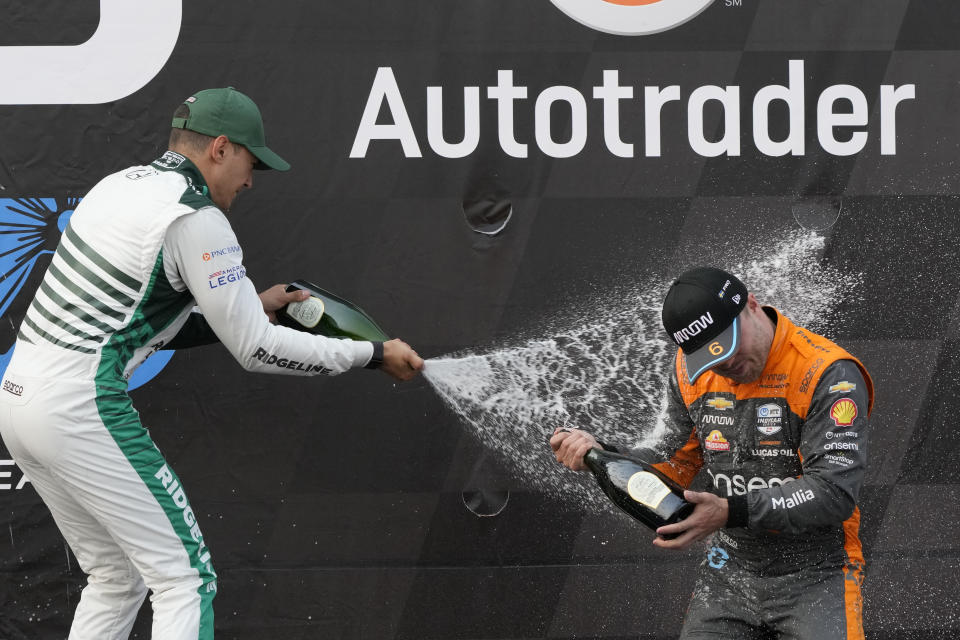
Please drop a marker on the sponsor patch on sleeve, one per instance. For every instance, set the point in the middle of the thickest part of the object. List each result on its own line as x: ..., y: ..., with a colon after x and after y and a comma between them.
x: 843, y: 412
x: 843, y: 387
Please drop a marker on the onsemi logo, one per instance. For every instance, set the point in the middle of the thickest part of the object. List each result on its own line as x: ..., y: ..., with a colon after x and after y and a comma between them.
x: 111, y: 65
x: 632, y: 17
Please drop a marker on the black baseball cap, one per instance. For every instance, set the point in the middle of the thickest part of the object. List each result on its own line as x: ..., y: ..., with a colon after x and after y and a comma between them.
x: 700, y: 313
x: 227, y: 112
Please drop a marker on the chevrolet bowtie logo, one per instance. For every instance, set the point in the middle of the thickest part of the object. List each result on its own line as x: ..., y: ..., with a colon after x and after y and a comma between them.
x: 843, y: 387
x: 719, y: 403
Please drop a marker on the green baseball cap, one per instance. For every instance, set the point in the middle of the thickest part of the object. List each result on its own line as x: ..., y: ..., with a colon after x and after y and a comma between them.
x: 227, y: 112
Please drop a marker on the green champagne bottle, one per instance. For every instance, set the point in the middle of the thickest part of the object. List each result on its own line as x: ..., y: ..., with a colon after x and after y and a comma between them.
x: 638, y: 488
x: 329, y: 315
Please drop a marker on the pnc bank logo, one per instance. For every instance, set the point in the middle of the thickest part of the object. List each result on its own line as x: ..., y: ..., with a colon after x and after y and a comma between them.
x: 632, y: 17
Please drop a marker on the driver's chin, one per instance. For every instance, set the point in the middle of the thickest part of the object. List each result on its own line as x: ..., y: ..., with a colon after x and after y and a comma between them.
x: 736, y: 372
x: 233, y: 200
x: 747, y: 375
x: 725, y: 369
x: 225, y: 203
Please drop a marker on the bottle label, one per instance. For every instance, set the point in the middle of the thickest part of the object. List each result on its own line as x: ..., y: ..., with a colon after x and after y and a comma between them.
x: 647, y: 489
x: 307, y: 312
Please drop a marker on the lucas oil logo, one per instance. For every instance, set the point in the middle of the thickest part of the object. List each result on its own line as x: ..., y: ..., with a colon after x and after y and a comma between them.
x: 769, y: 418
x: 632, y: 17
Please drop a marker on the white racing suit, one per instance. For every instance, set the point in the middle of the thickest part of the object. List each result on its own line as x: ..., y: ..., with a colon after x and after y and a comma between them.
x: 142, y: 250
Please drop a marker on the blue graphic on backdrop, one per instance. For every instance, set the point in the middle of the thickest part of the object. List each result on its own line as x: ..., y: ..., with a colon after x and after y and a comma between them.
x: 29, y: 229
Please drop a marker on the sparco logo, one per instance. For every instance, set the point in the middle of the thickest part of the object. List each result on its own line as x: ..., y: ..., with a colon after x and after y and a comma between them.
x: 15, y: 389
x: 808, y: 377
x: 694, y: 328
x: 631, y: 17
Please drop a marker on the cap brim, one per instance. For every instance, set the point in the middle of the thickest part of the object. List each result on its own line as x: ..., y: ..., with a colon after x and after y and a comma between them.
x: 714, y: 352
x: 268, y: 159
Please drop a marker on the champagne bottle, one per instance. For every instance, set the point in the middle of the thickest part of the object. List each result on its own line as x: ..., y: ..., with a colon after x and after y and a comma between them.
x: 638, y: 488
x: 329, y: 315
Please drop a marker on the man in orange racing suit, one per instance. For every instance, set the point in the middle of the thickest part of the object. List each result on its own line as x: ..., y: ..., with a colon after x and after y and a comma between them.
x: 777, y: 416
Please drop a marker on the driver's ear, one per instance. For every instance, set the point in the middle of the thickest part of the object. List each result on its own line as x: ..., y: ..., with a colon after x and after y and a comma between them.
x: 218, y: 147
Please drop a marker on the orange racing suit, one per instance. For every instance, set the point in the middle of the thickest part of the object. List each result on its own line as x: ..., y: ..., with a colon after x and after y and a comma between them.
x: 788, y: 451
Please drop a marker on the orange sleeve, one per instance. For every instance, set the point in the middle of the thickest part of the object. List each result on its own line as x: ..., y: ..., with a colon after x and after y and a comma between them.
x: 685, y: 463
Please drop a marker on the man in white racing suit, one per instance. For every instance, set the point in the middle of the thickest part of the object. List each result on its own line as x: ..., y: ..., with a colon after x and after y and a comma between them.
x: 144, y: 250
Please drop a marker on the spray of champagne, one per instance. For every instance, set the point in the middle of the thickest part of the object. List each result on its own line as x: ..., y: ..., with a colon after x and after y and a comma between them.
x: 609, y: 375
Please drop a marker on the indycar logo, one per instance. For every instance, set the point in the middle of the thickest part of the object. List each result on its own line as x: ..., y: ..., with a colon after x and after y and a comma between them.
x: 632, y: 17
x: 769, y: 418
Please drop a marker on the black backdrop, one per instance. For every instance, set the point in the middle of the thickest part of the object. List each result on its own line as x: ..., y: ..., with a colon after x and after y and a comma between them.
x: 333, y: 507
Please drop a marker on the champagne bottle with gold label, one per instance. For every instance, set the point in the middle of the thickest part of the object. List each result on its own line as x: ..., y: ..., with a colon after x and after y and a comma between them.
x: 329, y: 315
x: 638, y: 488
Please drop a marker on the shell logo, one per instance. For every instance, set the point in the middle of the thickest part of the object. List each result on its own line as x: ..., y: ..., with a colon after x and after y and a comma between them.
x: 843, y: 412
x: 632, y: 17
x: 716, y: 442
